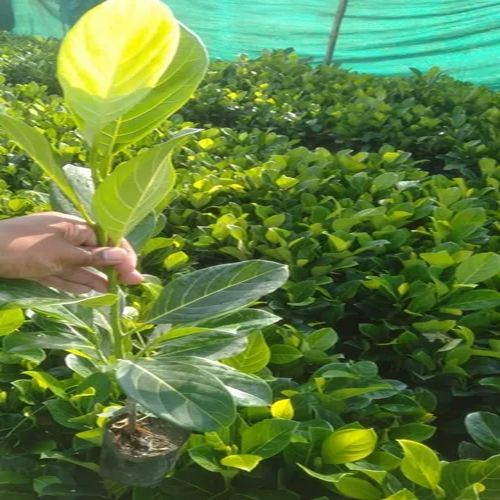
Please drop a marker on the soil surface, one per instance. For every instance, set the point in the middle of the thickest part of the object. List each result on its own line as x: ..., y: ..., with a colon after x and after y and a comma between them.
x: 152, y: 437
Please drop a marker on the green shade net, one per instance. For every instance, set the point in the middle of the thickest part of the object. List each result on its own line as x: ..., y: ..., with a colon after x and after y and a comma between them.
x: 385, y: 37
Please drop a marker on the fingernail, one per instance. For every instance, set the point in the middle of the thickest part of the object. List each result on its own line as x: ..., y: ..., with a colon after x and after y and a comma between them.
x: 136, y: 277
x: 114, y: 255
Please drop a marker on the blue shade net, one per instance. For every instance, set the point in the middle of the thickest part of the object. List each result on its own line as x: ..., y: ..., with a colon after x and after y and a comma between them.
x: 384, y: 37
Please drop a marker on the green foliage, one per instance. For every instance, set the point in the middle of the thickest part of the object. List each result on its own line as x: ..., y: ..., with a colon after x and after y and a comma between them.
x: 390, y: 315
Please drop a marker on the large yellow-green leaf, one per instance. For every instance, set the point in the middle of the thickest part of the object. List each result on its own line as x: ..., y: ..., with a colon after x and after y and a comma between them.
x: 348, y: 445
x: 113, y: 56
x: 135, y: 188
x: 254, y: 358
x: 420, y: 464
x: 242, y: 462
x: 36, y: 146
x: 175, y: 87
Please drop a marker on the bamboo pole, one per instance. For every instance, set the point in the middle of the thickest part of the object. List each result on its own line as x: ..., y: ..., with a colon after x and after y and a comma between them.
x: 334, y: 33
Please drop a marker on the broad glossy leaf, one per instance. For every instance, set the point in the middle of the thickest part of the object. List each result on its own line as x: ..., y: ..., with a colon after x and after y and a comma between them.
x: 80, y: 179
x: 10, y: 320
x: 39, y: 149
x: 327, y: 478
x: 456, y: 476
x: 268, y: 437
x: 175, y: 87
x: 207, y: 343
x: 216, y: 290
x: 478, y: 268
x: 113, y: 57
x: 254, y: 358
x: 282, y: 354
x: 29, y: 294
x: 414, y: 431
x: 244, y: 321
x: 361, y: 489
x: 135, y: 188
x: 348, y: 445
x: 207, y: 457
x: 242, y: 462
x: 59, y: 340
x: 484, y: 429
x: 246, y: 390
x: 488, y: 474
x: 184, y: 394
x: 420, y: 464
x: 322, y: 339
x: 473, y: 300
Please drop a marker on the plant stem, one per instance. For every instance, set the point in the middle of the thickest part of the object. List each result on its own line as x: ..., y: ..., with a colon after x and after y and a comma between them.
x: 115, y: 314
x: 132, y: 416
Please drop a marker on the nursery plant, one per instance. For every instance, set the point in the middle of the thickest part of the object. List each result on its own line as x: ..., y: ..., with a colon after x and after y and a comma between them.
x: 124, y: 68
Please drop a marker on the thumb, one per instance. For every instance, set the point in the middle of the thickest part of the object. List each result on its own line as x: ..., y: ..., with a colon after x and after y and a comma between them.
x: 93, y: 257
x: 103, y: 257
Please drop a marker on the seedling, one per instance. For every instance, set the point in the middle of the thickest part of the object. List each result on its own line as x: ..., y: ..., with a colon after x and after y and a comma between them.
x: 125, y: 67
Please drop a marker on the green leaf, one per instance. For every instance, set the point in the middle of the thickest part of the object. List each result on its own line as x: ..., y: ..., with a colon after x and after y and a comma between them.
x: 37, y: 146
x: 478, y: 268
x: 112, y: 58
x: 216, y: 290
x: 29, y: 294
x: 80, y: 179
x: 207, y: 457
x: 348, y: 445
x: 204, y: 342
x: 183, y: 394
x: 414, y: 432
x: 242, y: 462
x: 254, y: 358
x: 282, y: 354
x: 403, y: 494
x: 134, y: 188
x: 19, y: 341
x: 175, y: 260
x: 488, y: 474
x: 439, y: 259
x: 353, y: 487
x: 268, y: 437
x: 457, y: 477
x: 246, y: 390
x: 420, y: 464
x: 244, y: 321
x: 327, y: 478
x: 175, y: 87
x: 384, y: 181
x: 322, y: 339
x: 143, y: 232
x: 10, y: 320
x: 474, y: 300
x: 484, y: 429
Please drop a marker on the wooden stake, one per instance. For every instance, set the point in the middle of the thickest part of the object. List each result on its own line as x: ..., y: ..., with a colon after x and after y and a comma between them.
x: 334, y: 33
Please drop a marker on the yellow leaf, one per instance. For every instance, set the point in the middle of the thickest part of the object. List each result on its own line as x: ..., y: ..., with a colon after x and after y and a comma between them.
x: 205, y: 143
x: 283, y: 409
x: 113, y: 56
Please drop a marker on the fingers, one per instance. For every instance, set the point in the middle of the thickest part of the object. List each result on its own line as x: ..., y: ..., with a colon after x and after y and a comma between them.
x: 123, y: 260
x: 63, y: 285
x: 126, y: 269
x: 78, y: 281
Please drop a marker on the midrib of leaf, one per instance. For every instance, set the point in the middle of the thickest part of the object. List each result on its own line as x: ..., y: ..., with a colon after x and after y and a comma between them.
x: 161, y: 381
x: 185, y: 304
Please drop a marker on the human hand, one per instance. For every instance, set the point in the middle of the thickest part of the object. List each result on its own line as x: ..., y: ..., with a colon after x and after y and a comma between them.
x: 57, y: 250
